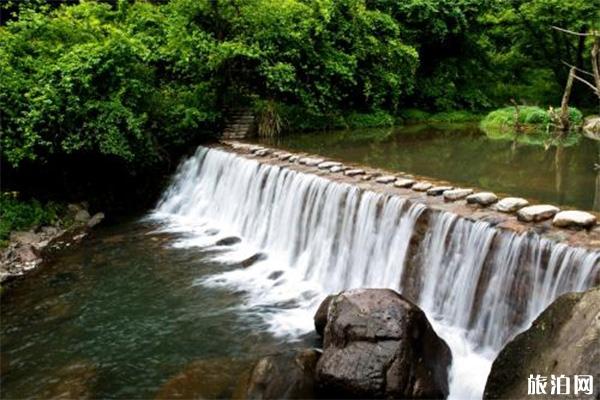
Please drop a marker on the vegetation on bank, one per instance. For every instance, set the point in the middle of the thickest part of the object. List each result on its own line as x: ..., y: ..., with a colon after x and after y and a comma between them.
x: 100, y: 98
x: 17, y: 215
x: 534, y: 125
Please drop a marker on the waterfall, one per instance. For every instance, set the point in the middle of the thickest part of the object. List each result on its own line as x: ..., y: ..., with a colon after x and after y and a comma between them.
x: 478, y: 285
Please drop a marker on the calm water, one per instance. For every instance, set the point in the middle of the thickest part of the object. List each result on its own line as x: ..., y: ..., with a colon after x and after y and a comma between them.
x: 121, y: 316
x: 464, y: 155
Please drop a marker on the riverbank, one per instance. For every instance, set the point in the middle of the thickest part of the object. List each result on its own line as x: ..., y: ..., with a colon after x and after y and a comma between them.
x: 24, y: 251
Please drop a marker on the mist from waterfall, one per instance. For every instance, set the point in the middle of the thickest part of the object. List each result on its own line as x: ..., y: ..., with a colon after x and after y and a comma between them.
x: 478, y: 285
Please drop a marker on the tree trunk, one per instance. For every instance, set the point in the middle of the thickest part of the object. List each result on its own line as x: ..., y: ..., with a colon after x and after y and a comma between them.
x: 518, y: 127
x: 564, y: 105
x: 596, y: 63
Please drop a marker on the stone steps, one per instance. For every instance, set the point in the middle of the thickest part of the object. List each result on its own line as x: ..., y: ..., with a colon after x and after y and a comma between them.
x: 239, y: 124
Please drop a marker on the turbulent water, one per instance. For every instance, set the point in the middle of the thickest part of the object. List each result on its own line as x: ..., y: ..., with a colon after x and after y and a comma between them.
x: 478, y: 285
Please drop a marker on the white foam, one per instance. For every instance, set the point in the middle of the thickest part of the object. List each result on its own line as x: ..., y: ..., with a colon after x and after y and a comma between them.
x: 323, y: 237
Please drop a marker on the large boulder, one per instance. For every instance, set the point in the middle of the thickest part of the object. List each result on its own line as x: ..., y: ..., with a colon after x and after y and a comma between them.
x: 289, y: 375
x: 321, y: 314
x: 379, y: 345
x: 563, y: 340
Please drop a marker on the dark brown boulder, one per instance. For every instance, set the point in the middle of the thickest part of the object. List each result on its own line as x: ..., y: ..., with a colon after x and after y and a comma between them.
x: 379, y: 345
x: 289, y: 375
x: 321, y: 314
x: 563, y: 340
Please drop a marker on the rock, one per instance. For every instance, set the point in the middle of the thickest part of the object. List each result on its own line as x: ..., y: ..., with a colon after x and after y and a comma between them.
x: 310, y: 161
x: 74, y: 208
x: 456, y: 194
x: 354, y: 172
x: 339, y: 168
x: 204, y: 379
x: 289, y: 375
x: 228, y: 241
x: 386, y: 179
x: 82, y: 216
x: 27, y: 254
x: 580, y: 219
x: 284, y: 156
x: 293, y: 158
x: 25, y: 238
x: 95, y: 220
x: 482, y: 198
x: 591, y: 127
x: 422, y: 186
x: 366, y: 177
x: 321, y: 314
x: 49, y: 231
x: 438, y: 190
x: 404, y: 182
x: 253, y: 259
x: 262, y: 152
x: 329, y: 164
x: 379, y: 345
x: 511, y: 204
x: 74, y: 381
x: 562, y: 340
x: 275, y: 275
x: 536, y: 213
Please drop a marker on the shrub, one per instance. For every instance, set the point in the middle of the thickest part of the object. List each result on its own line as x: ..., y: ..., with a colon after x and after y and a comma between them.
x: 535, y: 123
x: 375, y: 119
x: 17, y: 215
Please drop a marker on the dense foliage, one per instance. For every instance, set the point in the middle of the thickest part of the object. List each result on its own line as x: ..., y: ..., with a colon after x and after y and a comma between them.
x: 121, y: 86
x: 20, y: 215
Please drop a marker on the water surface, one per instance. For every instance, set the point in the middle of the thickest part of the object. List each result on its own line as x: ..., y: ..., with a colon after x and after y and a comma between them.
x: 122, y: 315
x: 465, y: 155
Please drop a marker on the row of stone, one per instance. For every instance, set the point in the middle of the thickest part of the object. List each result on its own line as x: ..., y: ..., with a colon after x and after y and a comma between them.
x: 524, y: 211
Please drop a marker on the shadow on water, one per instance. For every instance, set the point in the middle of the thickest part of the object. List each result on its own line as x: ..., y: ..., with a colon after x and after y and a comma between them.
x: 120, y: 317
x: 527, y: 165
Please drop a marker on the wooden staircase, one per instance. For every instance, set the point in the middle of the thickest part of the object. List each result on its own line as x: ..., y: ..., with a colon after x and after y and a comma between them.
x: 239, y: 124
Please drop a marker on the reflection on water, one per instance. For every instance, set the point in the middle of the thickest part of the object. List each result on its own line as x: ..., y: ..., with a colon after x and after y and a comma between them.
x: 463, y: 154
x: 122, y: 318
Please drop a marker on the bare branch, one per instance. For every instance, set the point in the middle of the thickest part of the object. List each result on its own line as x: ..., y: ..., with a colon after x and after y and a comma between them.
x: 577, y: 69
x: 592, y: 33
x: 587, y: 83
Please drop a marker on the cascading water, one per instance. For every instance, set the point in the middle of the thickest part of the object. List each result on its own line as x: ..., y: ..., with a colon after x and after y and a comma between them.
x: 478, y: 285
